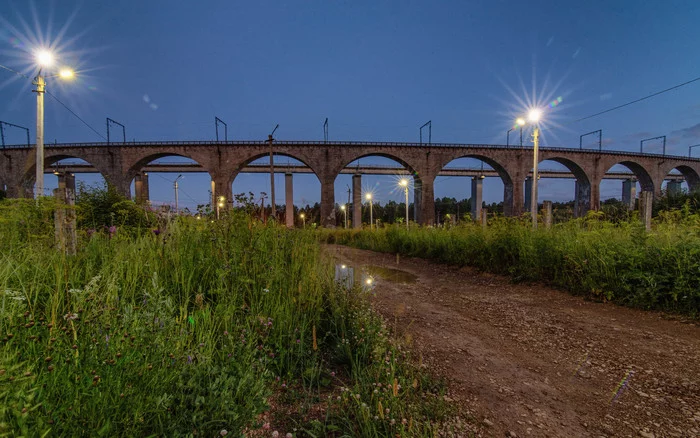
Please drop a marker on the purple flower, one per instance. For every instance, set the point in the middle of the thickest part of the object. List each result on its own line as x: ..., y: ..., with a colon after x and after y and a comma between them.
x: 91, y: 231
x: 156, y: 231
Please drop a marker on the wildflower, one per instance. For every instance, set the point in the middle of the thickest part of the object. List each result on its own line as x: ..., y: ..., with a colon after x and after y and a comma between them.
x: 225, y: 332
x: 266, y: 426
x: 289, y: 435
x: 223, y: 432
x: 91, y: 231
x: 275, y: 434
x: 156, y: 231
x: 266, y: 290
x: 332, y: 373
x: 112, y: 230
x: 70, y: 316
x: 298, y: 341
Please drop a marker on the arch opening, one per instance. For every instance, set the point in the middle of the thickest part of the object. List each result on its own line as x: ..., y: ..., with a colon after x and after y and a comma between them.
x: 170, y: 182
x: 372, y: 188
x: 563, y: 182
x: 622, y: 183
x: 467, y: 184
x: 58, y: 166
x: 297, y: 189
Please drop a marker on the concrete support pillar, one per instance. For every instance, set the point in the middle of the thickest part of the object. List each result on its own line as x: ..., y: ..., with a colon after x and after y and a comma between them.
x: 64, y: 216
x: 547, y: 207
x: 476, y: 199
x: 577, y: 199
x: 646, y: 200
x: 327, y: 201
x: 528, y: 193
x: 629, y: 193
x: 427, y: 201
x: 417, y: 200
x: 289, y: 200
x: 357, y: 201
x: 141, y: 188
x: 674, y: 188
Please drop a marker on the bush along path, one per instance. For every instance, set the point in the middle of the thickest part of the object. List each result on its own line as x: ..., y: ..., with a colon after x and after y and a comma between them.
x: 227, y: 328
x: 610, y: 262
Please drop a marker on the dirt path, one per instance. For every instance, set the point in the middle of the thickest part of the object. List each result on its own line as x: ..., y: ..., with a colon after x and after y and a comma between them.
x: 526, y: 360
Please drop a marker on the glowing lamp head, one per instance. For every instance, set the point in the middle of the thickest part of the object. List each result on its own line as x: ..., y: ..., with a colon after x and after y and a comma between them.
x: 534, y: 115
x: 520, y: 121
x: 44, y: 58
x: 66, y: 73
x: 403, y: 183
x: 221, y: 204
x: 369, y: 281
x: 302, y: 215
x: 342, y: 207
x: 368, y: 196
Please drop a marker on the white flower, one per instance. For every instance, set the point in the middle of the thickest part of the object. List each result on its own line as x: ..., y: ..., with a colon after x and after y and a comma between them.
x: 223, y: 432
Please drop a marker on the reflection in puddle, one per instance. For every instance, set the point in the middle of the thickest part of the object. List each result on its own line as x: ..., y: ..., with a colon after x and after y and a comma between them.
x: 347, y: 275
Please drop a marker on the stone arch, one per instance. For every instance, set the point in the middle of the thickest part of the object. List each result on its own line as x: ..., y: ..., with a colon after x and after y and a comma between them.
x: 584, y: 198
x: 256, y: 156
x: 423, y: 200
x: 639, y: 171
x: 50, y: 158
x: 692, y: 177
x: 142, y: 161
x: 502, y: 172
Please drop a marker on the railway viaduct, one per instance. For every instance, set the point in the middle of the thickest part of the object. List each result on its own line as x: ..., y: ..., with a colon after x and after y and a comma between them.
x: 120, y: 164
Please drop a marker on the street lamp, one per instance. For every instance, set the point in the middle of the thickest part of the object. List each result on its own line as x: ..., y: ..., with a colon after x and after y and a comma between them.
x: 368, y: 197
x: 534, y: 117
x: 303, y: 219
x: 345, y: 212
x: 44, y: 59
x: 220, y: 205
x: 176, y: 186
x: 404, y: 183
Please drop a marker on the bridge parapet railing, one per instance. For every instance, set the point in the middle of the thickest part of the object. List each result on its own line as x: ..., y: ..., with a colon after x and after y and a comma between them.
x: 593, y: 151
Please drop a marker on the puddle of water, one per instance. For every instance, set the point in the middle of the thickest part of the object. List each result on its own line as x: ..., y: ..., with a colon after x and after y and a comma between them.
x: 348, y: 275
x: 391, y: 274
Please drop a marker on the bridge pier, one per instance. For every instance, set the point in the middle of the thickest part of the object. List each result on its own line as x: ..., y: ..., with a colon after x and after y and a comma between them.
x: 674, y: 188
x: 629, y: 193
x: 327, y: 201
x: 142, y: 192
x: 476, y: 199
x: 220, y: 187
x: 528, y: 193
x: 357, y: 201
x: 427, y: 201
x: 289, y: 200
x: 417, y: 200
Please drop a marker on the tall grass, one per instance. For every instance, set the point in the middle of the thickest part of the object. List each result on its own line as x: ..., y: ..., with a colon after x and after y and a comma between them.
x: 193, y: 330
x: 620, y: 263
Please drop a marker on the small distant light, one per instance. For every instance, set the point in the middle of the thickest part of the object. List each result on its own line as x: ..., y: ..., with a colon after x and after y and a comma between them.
x: 302, y: 216
x: 369, y: 281
x: 520, y: 121
x: 342, y: 207
x: 343, y: 266
x: 221, y: 204
x: 403, y: 183
x: 199, y: 217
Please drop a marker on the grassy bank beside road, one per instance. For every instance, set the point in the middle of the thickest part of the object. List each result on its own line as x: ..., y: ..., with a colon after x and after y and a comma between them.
x: 225, y: 328
x: 619, y: 263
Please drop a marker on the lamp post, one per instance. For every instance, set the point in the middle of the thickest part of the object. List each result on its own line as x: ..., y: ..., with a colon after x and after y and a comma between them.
x: 534, y: 117
x: 345, y: 213
x: 404, y: 183
x: 175, y: 185
x: 44, y: 59
x: 368, y: 196
x: 303, y: 220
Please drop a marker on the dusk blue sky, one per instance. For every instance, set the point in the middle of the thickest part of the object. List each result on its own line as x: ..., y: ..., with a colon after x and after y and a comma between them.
x: 377, y: 69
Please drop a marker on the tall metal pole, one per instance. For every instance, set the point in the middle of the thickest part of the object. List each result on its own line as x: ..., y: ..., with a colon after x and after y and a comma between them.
x: 40, y: 89
x: 176, y: 193
x: 406, y: 190
x: 508, y: 137
x: 371, y: 216
x: 272, y: 173
x: 690, y: 149
x: 535, y: 162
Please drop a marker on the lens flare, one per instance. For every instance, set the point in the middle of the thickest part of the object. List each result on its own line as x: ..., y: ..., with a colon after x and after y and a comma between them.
x: 44, y: 58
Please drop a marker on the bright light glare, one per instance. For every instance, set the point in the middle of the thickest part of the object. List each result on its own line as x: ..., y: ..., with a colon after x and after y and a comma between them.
x: 403, y: 183
x: 44, y: 58
x: 66, y: 73
x: 368, y: 196
x: 520, y: 121
x: 302, y: 216
x: 534, y: 115
x: 368, y: 281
